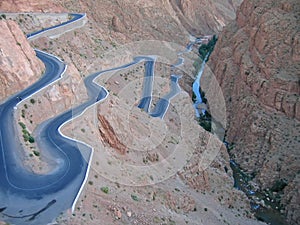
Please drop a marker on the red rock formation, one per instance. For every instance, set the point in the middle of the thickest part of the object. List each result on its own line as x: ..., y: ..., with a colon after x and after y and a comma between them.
x: 19, y: 65
x: 108, y: 135
x: 257, y: 62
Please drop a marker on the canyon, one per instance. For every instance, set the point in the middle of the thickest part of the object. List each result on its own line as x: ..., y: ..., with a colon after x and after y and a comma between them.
x: 255, y: 62
x: 257, y: 67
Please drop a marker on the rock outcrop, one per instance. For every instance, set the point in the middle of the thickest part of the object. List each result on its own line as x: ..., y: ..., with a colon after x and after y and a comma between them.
x: 257, y: 63
x: 108, y: 135
x: 207, y: 16
x: 19, y: 65
x: 30, y: 6
x: 167, y: 20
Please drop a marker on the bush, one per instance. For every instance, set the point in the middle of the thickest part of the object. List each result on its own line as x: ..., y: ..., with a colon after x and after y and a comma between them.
x: 26, y: 137
x: 134, y: 197
x: 105, y: 189
x: 22, y: 125
x: 23, y: 113
x: 205, y: 121
x: 31, y: 139
x: 279, y: 185
x: 36, y: 153
x: 32, y: 101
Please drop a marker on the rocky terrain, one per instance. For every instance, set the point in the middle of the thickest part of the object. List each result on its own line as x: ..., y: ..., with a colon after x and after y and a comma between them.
x: 207, y: 16
x: 85, y: 51
x: 140, y: 184
x: 256, y: 65
x: 256, y: 61
x: 19, y: 64
x: 30, y: 6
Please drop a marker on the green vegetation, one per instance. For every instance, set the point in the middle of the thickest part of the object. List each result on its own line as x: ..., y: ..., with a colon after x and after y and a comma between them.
x: 279, y: 185
x: 205, y: 121
x: 26, y: 135
x: 3, y: 16
x: 105, y: 189
x: 202, y: 94
x: 23, y: 113
x: 113, y: 44
x: 134, y: 197
x: 22, y: 125
x: 36, y: 153
x: 32, y: 101
x: 207, y: 49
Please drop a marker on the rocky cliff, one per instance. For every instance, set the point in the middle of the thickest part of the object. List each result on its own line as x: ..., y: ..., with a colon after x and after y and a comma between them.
x: 256, y: 61
x: 30, y: 6
x: 207, y: 16
x: 19, y: 65
x: 125, y: 20
x: 160, y: 19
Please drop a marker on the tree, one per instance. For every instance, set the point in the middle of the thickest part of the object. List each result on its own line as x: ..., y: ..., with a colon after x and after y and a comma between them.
x: 205, y: 49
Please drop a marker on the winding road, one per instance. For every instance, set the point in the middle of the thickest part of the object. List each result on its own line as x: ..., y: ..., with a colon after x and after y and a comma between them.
x: 29, y: 198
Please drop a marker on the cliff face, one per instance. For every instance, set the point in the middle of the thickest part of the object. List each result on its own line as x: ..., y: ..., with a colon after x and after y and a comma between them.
x: 29, y: 6
x: 205, y: 16
x: 256, y: 61
x: 19, y: 65
x: 161, y: 19
x: 126, y: 20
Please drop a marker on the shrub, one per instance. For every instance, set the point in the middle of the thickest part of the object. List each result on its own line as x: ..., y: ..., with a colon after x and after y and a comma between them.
x: 22, y: 125
x: 105, y: 189
x: 23, y: 113
x: 134, y: 197
x: 26, y: 137
x: 36, y: 153
x: 205, y: 121
x: 31, y: 139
